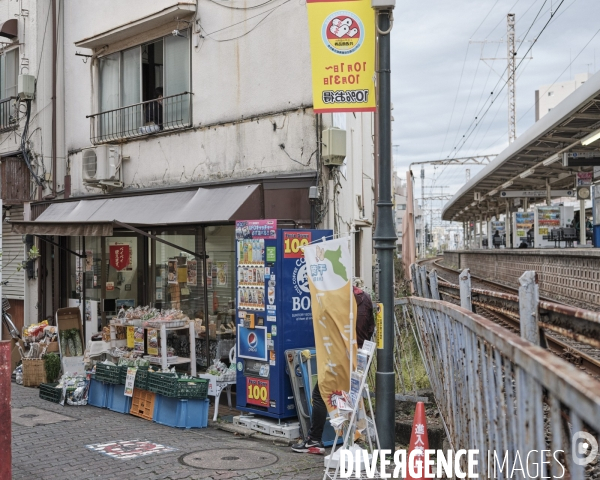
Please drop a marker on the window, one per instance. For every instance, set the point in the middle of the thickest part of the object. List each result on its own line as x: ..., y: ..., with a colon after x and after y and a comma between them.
x: 9, y: 68
x: 402, y: 206
x: 550, y: 94
x: 144, y: 89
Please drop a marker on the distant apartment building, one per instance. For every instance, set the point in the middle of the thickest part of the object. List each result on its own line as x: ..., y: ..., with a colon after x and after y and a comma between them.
x: 399, y: 212
x: 549, y: 96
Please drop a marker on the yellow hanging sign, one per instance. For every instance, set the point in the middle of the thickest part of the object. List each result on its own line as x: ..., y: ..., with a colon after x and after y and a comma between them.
x: 342, y: 47
x: 379, y: 325
x: 130, y: 337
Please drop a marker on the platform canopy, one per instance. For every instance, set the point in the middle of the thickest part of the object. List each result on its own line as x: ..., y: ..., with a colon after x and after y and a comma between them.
x: 534, y: 161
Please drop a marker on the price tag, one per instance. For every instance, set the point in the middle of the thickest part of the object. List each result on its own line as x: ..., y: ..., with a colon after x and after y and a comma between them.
x: 130, y: 337
x: 257, y: 391
x: 293, y: 243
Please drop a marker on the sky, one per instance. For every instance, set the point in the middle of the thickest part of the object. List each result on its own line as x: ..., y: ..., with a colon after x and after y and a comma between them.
x: 439, y: 83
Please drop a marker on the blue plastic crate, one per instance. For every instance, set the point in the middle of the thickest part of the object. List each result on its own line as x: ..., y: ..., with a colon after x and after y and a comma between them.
x: 117, y: 401
x: 98, y: 393
x: 181, y: 412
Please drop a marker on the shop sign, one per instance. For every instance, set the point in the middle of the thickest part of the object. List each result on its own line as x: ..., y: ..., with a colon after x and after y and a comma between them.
x: 342, y: 51
x: 119, y: 256
x: 256, y: 229
x: 584, y: 179
x: 257, y: 391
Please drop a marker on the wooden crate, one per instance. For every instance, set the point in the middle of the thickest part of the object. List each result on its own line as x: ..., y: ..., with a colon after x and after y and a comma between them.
x: 34, y: 372
x: 142, y: 404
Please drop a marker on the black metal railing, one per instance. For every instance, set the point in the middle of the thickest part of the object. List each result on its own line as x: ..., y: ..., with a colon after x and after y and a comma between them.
x: 9, y: 119
x: 141, y: 119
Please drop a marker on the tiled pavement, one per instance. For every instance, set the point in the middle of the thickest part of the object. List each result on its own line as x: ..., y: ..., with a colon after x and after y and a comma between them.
x: 58, y: 450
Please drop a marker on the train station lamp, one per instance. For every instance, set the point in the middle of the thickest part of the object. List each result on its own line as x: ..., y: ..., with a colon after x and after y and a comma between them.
x: 591, y: 138
x: 527, y: 173
x: 507, y: 184
x: 493, y: 192
x: 550, y: 160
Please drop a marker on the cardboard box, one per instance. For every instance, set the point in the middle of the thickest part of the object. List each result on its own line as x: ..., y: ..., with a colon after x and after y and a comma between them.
x: 66, y: 319
x: 212, y: 383
x: 52, y: 347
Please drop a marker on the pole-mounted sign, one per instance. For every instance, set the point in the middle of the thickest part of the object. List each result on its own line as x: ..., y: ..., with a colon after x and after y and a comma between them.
x: 342, y: 45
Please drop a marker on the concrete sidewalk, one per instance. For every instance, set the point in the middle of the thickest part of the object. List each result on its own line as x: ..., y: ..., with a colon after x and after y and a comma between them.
x: 54, y: 442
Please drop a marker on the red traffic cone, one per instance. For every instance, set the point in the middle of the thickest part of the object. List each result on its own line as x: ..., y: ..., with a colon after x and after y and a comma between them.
x: 418, y: 441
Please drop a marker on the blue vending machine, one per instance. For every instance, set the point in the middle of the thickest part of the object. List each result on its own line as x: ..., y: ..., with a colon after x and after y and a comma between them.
x: 273, y: 313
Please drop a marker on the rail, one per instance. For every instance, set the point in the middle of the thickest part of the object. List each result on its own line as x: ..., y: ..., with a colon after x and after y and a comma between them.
x: 142, y: 119
x: 504, y: 396
x: 9, y: 118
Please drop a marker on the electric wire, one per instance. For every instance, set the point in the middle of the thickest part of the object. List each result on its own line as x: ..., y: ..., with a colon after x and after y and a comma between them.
x: 242, y: 8
x: 479, y: 118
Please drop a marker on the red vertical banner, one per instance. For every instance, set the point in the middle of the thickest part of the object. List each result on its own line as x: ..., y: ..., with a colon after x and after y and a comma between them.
x: 119, y: 256
x: 5, y: 413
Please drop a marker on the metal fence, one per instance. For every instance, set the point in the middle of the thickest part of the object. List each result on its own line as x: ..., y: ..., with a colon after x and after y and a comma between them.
x: 500, y: 393
x: 141, y: 119
x: 9, y: 118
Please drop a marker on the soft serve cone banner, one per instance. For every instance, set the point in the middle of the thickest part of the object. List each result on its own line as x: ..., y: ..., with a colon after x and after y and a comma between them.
x: 329, y: 267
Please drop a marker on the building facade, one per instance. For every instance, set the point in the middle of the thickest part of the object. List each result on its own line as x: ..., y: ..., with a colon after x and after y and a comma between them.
x: 549, y: 96
x: 172, y: 120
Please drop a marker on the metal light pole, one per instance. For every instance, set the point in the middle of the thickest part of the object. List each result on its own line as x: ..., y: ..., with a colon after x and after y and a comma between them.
x: 385, y: 234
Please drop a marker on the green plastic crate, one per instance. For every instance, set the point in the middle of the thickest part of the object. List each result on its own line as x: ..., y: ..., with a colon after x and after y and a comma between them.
x: 170, y: 385
x: 109, y: 373
x: 141, y: 378
x: 48, y: 391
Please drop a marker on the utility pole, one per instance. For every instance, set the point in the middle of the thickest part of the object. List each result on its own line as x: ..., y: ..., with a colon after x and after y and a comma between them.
x: 511, y: 67
x: 423, y: 211
x: 511, y: 55
x: 385, y: 233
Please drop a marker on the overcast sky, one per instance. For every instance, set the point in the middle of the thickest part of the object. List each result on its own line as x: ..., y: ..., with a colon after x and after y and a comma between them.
x: 434, y: 106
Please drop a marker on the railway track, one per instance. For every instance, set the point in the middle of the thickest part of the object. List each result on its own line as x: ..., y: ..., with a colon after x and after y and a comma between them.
x: 583, y: 356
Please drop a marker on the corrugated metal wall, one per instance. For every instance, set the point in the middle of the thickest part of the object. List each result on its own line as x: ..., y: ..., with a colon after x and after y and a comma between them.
x: 12, y: 255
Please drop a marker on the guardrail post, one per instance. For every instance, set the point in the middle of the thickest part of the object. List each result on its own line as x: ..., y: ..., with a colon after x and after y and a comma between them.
x: 464, y: 280
x: 529, y: 299
x: 5, y: 414
x: 424, y: 287
x: 416, y: 279
x: 433, y: 284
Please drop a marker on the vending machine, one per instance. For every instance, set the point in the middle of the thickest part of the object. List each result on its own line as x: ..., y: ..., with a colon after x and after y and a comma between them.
x: 273, y: 313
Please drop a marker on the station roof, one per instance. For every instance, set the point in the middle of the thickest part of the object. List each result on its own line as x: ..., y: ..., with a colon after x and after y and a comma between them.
x: 558, y: 131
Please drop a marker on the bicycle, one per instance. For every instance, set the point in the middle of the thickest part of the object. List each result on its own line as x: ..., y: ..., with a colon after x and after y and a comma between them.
x: 7, y: 320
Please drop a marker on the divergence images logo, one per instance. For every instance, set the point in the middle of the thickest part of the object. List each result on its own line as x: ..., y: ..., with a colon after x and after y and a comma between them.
x: 252, y: 341
x: 343, y: 32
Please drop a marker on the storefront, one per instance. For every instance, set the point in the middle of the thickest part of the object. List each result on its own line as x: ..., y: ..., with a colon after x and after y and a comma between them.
x: 173, y: 250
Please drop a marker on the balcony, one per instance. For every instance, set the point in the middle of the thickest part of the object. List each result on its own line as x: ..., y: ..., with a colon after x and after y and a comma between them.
x: 142, y: 119
x: 9, y: 119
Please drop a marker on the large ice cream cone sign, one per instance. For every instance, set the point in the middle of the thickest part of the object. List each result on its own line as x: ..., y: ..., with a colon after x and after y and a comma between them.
x: 329, y: 267
x: 418, y: 443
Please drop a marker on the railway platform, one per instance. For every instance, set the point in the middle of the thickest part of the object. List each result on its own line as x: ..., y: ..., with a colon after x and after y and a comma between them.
x: 569, y: 275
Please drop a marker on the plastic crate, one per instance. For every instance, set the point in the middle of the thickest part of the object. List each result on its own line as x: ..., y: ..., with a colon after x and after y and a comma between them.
x: 141, y: 378
x: 170, y: 385
x: 123, y: 375
x: 48, y: 391
x: 117, y: 401
x: 181, y: 412
x: 98, y: 393
x: 142, y: 404
x: 108, y: 373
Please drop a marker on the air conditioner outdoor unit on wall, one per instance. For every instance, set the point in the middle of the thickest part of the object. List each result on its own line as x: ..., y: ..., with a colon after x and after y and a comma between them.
x: 101, y: 166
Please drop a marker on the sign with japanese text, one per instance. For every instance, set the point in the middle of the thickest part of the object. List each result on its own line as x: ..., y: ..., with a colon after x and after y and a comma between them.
x: 293, y: 242
x: 584, y: 179
x: 255, y: 229
x: 119, y: 256
x: 342, y: 45
x: 329, y: 269
x: 257, y: 391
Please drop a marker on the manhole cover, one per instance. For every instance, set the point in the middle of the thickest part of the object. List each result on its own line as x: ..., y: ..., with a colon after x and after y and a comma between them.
x: 222, y: 459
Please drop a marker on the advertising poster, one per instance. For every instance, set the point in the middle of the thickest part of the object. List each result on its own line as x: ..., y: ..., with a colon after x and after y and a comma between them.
x: 257, y: 391
x: 255, y: 229
x: 524, y: 221
x: 130, y: 381
x: 342, y: 51
x: 548, y: 218
x: 252, y: 343
x: 209, y: 282
x: 152, y: 341
x: 222, y: 271
x: 498, y: 227
x: 584, y: 179
x: 329, y: 267
x: 172, y: 271
x: 120, y: 256
x: 89, y: 261
x: 192, y: 273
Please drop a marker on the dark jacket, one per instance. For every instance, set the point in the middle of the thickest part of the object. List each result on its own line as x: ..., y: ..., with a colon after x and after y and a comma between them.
x: 365, y: 323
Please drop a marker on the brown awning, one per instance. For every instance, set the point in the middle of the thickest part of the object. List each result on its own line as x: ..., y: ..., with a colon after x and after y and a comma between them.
x: 97, y: 217
x: 10, y: 29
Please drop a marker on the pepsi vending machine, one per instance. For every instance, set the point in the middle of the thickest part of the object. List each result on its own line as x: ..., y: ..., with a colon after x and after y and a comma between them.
x: 273, y: 313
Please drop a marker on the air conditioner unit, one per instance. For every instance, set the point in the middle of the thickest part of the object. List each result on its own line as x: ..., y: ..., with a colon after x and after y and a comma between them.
x: 334, y: 146
x: 101, y: 166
